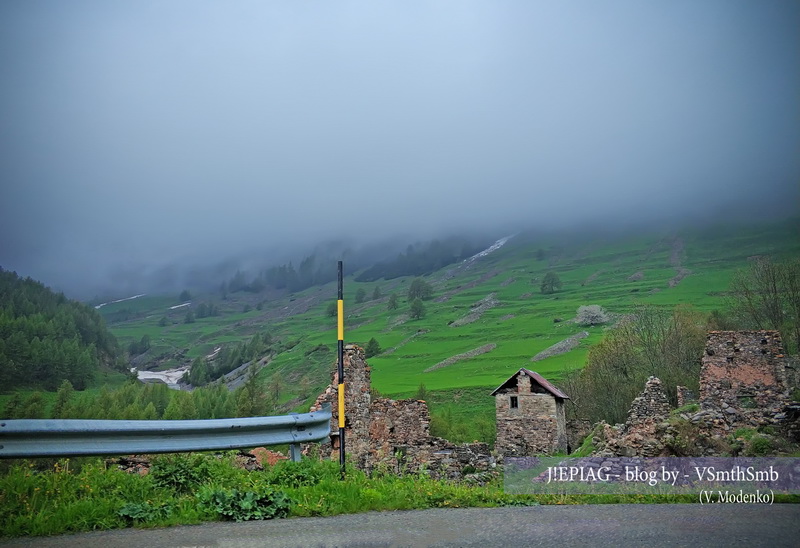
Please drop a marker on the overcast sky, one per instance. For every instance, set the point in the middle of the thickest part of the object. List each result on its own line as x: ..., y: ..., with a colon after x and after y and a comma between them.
x: 134, y: 133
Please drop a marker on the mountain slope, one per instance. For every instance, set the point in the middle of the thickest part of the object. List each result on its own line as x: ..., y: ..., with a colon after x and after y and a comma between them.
x: 492, y: 299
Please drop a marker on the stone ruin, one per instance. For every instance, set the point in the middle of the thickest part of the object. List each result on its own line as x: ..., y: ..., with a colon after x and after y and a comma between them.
x: 685, y: 396
x: 745, y: 382
x: 393, y: 435
x: 641, y: 433
x: 743, y: 375
x: 577, y: 431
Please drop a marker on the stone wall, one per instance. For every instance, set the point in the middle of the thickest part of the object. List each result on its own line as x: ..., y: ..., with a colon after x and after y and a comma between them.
x: 743, y: 376
x: 650, y: 407
x: 357, y: 411
x: 536, y: 426
x: 792, y: 373
x: 392, y: 435
x: 641, y: 433
x: 577, y: 430
x: 399, y: 434
x: 403, y: 421
x: 685, y: 396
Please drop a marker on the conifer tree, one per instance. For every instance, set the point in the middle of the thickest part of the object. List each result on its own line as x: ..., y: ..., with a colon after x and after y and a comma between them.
x: 34, y: 407
x: 149, y: 412
x: 61, y: 408
x: 372, y: 349
x: 250, y: 396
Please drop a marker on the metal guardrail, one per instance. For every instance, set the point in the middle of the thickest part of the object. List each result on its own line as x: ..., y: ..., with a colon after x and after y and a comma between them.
x: 29, y: 438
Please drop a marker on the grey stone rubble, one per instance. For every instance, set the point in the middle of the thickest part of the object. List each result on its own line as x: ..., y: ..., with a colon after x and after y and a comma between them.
x: 477, y: 310
x: 463, y: 356
x: 561, y: 347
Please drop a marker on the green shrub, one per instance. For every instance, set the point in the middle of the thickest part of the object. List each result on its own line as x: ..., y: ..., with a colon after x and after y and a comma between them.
x: 768, y: 429
x: 181, y: 472
x: 688, y: 408
x: 297, y: 474
x: 245, y: 505
x: 744, y: 433
x: 141, y: 512
x: 748, y: 402
x: 759, y: 446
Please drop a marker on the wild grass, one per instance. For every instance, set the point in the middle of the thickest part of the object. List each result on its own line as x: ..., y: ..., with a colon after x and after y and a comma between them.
x: 72, y: 496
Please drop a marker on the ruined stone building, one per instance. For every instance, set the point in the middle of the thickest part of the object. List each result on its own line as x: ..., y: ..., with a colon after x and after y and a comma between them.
x: 744, y: 382
x: 530, y: 416
x: 642, y: 434
x: 393, y: 435
x: 744, y: 375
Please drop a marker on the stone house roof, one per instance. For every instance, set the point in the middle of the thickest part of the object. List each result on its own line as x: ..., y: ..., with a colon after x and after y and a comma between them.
x: 535, y: 377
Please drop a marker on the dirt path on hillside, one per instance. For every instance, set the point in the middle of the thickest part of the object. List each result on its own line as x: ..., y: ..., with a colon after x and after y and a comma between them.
x: 675, y: 260
x: 507, y: 282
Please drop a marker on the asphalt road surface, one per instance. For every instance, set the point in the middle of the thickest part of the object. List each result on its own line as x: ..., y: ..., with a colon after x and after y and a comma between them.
x: 622, y: 525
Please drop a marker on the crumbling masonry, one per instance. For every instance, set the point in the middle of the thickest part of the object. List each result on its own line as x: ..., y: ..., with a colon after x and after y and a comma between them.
x: 641, y: 435
x: 744, y: 382
x: 393, y: 435
x: 743, y: 374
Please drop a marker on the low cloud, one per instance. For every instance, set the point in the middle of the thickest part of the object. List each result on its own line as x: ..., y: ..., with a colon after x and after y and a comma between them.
x: 149, y: 139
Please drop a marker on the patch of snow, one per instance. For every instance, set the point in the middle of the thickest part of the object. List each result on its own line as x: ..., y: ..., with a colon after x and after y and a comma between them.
x: 170, y: 376
x: 494, y: 247
x: 180, y: 305
x: 214, y: 353
x: 121, y: 300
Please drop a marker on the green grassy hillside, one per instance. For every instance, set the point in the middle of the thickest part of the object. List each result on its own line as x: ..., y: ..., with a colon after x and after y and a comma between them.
x: 617, y: 271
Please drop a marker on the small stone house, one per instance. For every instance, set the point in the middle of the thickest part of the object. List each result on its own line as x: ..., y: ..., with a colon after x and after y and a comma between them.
x: 530, y: 416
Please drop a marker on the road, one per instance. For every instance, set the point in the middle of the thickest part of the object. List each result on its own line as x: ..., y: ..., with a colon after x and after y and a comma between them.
x: 652, y: 525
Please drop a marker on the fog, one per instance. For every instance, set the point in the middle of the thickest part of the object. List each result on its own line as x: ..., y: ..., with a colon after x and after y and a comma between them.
x: 143, y: 138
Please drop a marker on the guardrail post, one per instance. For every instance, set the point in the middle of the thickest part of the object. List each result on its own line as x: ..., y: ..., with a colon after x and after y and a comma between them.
x: 294, y: 452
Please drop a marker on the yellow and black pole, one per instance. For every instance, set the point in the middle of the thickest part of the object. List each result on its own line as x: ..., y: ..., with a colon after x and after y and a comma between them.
x: 340, y: 317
